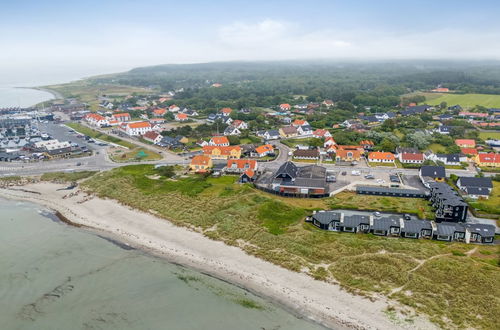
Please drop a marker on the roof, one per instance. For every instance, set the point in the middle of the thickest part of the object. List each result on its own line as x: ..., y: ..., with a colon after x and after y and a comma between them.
x: 95, y: 116
x: 484, y: 230
x: 389, y: 190
x: 289, y: 130
x: 412, y: 156
x: 416, y: 226
x: 433, y: 171
x: 478, y: 191
x: 242, y: 163
x: 325, y: 217
x: 287, y: 168
x: 285, y: 106
x: 299, y: 122
x: 123, y: 114
x: 226, y: 150
x: 320, y: 132
x: 385, y: 223
x: 355, y: 220
x: 344, y: 153
x: 467, y: 181
x: 306, y: 153
x: 264, y: 148
x: 140, y: 124
x: 468, y: 142
x: 181, y: 116
x: 219, y: 140
x: 469, y: 151
x: 159, y: 111
x: 152, y: 135
x: 449, y: 228
x: 489, y: 158
x: 380, y: 155
x: 226, y: 110
x: 200, y: 160
x: 367, y: 142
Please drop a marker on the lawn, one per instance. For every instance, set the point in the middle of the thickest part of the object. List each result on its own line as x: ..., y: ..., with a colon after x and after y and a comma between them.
x: 98, y: 135
x: 465, y: 100
x: 67, y: 176
x: 490, y: 205
x: 437, y: 148
x: 272, y: 228
x: 293, y: 142
x: 374, y: 164
x: 136, y: 154
x: 495, y: 135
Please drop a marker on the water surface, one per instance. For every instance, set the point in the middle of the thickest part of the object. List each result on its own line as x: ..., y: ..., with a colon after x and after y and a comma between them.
x: 53, y: 276
x: 22, y: 97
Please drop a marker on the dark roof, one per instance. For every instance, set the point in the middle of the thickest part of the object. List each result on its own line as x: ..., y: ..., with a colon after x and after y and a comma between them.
x: 385, y: 223
x: 306, y: 153
x: 355, y: 220
x: 401, y: 150
x: 444, y: 128
x: 449, y: 228
x: 312, y: 172
x: 326, y: 217
x: 447, y: 193
x: 416, y: 226
x: 433, y: 171
x: 478, y: 191
x: 287, y: 168
x: 273, y: 132
x: 482, y: 229
x: 389, y: 190
x: 475, y: 182
x: 450, y: 158
x: 391, y: 114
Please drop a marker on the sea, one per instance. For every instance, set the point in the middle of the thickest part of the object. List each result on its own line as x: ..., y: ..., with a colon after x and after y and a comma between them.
x: 55, y: 276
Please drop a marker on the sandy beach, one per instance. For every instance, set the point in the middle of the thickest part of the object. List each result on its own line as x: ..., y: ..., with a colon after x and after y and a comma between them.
x: 319, y: 301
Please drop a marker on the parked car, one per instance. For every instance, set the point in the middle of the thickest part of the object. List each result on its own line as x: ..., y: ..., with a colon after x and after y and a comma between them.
x: 369, y: 176
x: 407, y: 216
x: 78, y: 164
x: 344, y: 173
x: 331, y: 178
x: 377, y: 214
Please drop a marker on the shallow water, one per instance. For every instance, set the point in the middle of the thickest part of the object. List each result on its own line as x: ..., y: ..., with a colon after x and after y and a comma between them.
x: 22, y: 97
x: 53, y: 276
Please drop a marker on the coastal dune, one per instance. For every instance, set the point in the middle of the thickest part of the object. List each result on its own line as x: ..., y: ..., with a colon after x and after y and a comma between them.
x: 319, y: 301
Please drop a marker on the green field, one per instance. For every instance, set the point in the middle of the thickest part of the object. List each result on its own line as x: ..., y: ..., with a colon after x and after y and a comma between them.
x: 465, y: 100
x: 413, y: 272
x: 495, y: 135
x: 492, y: 204
x: 98, y: 135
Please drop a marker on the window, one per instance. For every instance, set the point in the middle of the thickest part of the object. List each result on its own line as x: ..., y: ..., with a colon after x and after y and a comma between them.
x: 411, y: 235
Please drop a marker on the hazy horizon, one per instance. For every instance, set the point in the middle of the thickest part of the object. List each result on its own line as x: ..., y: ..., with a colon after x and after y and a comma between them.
x: 59, y: 41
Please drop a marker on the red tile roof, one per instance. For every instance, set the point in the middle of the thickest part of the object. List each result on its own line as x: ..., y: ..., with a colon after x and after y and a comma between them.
x: 408, y: 156
x: 468, y: 142
x: 242, y: 163
x: 469, y: 151
x: 141, y: 124
x: 379, y: 155
x: 219, y: 140
x: 200, y: 160
x: 264, y: 148
x: 224, y: 150
x: 489, y: 158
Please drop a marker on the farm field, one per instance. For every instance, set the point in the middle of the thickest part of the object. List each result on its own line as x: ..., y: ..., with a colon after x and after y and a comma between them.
x: 465, y: 100
x: 495, y: 135
x: 272, y: 228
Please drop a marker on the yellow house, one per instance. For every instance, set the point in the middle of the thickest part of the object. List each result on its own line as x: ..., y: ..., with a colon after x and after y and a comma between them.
x: 226, y: 152
x: 288, y: 131
x: 200, y: 164
x: 490, y: 160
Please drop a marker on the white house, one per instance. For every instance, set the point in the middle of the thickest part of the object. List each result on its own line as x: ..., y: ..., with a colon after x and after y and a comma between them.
x: 173, y: 108
x: 137, y: 128
x: 231, y: 130
x: 239, y: 124
x: 269, y: 134
x: 95, y: 119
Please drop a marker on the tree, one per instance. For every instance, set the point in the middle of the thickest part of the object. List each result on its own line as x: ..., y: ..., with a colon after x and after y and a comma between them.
x: 418, y: 139
x: 166, y: 171
x: 443, y: 105
x: 387, y: 145
x: 233, y: 140
x: 388, y: 125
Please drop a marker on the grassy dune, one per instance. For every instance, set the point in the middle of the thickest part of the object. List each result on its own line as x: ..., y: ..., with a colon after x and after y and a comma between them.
x: 436, y: 278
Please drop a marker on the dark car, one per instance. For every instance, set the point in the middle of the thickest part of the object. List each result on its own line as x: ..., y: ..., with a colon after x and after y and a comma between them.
x: 344, y: 173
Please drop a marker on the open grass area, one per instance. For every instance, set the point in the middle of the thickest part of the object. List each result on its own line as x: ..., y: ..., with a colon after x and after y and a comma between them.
x: 437, y: 148
x: 465, y: 100
x: 417, y: 273
x: 294, y: 142
x: 136, y: 154
x: 67, y: 176
x: 351, y: 200
x: 490, y: 205
x: 88, y: 92
x: 375, y: 164
x: 490, y: 135
x: 98, y: 135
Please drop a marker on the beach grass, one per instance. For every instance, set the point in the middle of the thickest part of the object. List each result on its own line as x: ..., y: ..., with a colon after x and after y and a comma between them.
x: 67, y: 176
x: 413, y: 272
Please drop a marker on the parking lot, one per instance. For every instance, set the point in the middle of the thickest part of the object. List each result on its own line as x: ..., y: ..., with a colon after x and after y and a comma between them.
x: 366, y: 176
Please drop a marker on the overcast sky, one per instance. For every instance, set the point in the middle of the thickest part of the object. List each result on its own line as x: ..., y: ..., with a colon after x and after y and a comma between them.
x: 80, y: 38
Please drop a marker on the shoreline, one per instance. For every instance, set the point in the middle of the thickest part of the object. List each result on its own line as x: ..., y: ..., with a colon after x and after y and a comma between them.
x: 298, y: 293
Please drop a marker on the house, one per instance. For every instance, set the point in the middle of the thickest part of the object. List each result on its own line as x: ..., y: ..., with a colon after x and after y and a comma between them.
x: 445, y: 117
x: 222, y: 152
x: 200, y: 164
x: 417, y: 229
x: 152, y: 137
x: 220, y: 141
x: 393, y: 192
x: 137, y: 128
x: 181, y: 117
x: 381, y: 157
x: 447, y: 202
x: 231, y: 130
x: 160, y: 112
x: 356, y: 223
x: 247, y: 176
x: 95, y: 119
x: 328, y: 103
x: 329, y: 142
x: 285, y: 107
x: 488, y: 159
x: 455, y: 107
x: 473, y: 115
x: 299, y: 122
x: 428, y: 173
x: 121, y: 117
x: 291, y: 180
x: 440, y: 90
x: 310, y: 154
x: 469, y: 151
x: 239, y: 124
x: 190, y: 112
x: 479, y: 233
x: 240, y: 165
x: 409, y: 155
x: 367, y: 145
x: 450, y: 159
x: 305, y: 130
x: 327, y: 220
x: 269, y: 134
x: 226, y: 112
x: 387, y: 226
x: 288, y: 131
x: 173, y: 108
x: 264, y: 150
x: 443, y: 129
x: 465, y: 143
x: 448, y: 231
x: 170, y: 143
x: 415, y: 110
x: 321, y: 133
x: 348, y: 155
